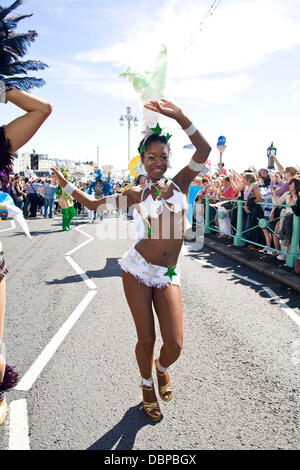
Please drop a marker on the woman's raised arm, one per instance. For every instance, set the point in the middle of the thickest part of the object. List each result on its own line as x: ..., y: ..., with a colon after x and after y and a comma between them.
x: 188, y: 173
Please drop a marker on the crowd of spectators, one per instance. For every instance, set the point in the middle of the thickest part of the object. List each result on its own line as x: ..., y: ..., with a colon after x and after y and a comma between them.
x: 271, y: 198
x: 35, y: 196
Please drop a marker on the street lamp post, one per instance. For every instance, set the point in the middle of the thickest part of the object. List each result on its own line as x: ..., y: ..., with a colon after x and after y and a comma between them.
x: 98, y: 161
x: 129, y: 118
x: 221, y: 146
x: 271, y: 152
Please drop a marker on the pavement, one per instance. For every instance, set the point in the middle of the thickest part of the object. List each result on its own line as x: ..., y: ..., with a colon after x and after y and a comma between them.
x: 266, y: 264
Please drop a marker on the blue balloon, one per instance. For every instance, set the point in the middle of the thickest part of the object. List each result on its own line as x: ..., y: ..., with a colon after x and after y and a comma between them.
x: 221, y: 140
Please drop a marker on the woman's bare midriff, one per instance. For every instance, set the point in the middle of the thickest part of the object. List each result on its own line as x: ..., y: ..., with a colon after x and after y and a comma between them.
x: 160, y: 252
x: 163, y: 246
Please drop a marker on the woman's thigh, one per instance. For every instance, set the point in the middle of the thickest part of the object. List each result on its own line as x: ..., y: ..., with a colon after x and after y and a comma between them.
x: 168, y: 306
x: 139, y: 299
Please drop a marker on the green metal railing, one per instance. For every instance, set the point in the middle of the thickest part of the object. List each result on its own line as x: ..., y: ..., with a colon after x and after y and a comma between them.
x: 239, y: 238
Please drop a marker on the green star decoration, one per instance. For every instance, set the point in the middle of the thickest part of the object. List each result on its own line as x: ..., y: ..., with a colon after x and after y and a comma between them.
x: 157, y: 130
x: 170, y: 272
x: 168, y: 136
x: 158, y: 192
x: 143, y: 149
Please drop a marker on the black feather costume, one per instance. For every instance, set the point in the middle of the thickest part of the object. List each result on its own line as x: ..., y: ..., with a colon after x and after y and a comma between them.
x: 12, y: 48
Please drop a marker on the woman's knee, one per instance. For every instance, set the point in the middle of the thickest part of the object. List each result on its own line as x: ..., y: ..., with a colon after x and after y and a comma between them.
x: 146, y: 343
x: 174, y: 347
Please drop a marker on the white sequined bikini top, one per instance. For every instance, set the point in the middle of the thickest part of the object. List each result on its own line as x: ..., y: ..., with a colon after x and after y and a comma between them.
x: 150, y: 207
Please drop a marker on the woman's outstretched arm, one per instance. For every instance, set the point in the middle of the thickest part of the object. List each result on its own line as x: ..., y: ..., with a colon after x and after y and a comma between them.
x: 122, y: 201
x: 20, y: 131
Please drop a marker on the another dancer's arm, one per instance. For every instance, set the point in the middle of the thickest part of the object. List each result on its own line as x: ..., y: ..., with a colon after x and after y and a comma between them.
x: 20, y: 131
x: 122, y: 201
x: 187, y: 174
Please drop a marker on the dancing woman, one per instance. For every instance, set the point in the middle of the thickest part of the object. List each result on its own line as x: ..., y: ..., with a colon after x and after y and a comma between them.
x: 149, y: 269
x: 13, y: 136
x: 13, y: 89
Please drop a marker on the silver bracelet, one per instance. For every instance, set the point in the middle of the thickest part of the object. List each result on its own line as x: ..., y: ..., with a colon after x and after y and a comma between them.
x: 190, y: 130
x: 199, y: 167
x: 70, y: 188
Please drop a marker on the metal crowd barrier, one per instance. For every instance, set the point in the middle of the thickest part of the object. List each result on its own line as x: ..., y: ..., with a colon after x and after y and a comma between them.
x: 240, y: 236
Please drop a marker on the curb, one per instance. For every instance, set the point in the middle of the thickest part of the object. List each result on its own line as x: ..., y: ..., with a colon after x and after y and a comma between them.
x: 289, y: 279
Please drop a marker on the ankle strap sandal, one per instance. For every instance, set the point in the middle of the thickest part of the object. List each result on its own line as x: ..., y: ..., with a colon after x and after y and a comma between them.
x: 150, y: 407
x: 164, y: 389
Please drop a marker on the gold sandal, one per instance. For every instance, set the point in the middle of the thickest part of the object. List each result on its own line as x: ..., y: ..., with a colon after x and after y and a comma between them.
x: 150, y: 407
x: 163, y: 389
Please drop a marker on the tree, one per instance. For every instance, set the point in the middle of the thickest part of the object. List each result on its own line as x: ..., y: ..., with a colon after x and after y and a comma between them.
x: 12, y: 48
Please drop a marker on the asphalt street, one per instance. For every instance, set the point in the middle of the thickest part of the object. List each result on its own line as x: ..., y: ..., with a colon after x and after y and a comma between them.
x: 70, y: 334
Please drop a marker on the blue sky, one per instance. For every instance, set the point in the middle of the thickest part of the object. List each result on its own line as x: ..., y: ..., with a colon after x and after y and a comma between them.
x: 238, y: 77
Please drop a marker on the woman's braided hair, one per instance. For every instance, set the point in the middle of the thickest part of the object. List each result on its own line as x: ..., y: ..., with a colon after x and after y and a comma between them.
x: 152, y: 138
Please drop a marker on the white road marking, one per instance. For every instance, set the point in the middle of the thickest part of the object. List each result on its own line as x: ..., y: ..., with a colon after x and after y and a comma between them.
x: 77, y: 248
x: 82, y: 274
x: 273, y: 296
x: 289, y: 311
x: 13, y: 225
x: 37, y: 367
x: 18, y: 429
x: 84, y: 233
x: 82, y: 244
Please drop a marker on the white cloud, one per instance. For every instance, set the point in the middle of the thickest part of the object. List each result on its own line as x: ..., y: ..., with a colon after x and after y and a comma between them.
x: 296, y: 92
x: 77, y: 75
x: 213, y: 62
x: 201, y: 90
x: 238, y: 34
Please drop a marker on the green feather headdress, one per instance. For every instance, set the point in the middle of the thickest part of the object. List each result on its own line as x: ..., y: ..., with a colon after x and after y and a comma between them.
x: 150, y: 86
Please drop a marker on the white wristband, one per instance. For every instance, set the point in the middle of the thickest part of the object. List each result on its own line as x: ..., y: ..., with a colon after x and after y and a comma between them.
x: 190, y: 130
x: 70, y: 188
x: 199, y: 167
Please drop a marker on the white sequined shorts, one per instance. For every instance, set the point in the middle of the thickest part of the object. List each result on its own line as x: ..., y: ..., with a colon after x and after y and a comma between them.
x: 150, y: 274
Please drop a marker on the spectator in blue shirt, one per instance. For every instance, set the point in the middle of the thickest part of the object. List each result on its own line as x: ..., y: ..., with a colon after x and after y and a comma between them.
x: 32, y: 192
x: 48, y: 198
